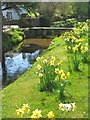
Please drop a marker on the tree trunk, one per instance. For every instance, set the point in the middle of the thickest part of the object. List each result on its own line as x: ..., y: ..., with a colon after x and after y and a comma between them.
x: 3, y: 70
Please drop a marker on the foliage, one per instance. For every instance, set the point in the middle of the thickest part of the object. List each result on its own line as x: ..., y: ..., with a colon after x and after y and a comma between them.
x: 72, y: 9
x: 68, y: 23
x: 36, y: 114
x: 45, y: 20
x: 77, y: 45
x: 12, y: 39
x: 51, y: 73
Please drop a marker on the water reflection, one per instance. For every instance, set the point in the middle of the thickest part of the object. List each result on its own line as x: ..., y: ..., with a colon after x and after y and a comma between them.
x: 17, y: 65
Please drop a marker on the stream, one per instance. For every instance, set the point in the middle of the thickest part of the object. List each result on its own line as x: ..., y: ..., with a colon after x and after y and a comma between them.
x: 17, y: 64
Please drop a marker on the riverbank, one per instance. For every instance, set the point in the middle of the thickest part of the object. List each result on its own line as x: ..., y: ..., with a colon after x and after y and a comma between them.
x: 25, y: 89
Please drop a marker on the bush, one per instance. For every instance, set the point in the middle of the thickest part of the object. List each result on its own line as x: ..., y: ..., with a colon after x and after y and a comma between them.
x: 45, y: 21
x: 11, y: 39
x: 68, y: 23
x: 71, y: 22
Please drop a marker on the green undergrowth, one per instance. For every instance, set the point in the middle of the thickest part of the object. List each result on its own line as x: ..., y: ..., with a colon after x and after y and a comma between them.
x: 26, y: 89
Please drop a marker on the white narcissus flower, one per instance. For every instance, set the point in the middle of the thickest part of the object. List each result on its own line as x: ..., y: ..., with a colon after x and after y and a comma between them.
x: 61, y: 107
x: 67, y: 107
x: 73, y: 106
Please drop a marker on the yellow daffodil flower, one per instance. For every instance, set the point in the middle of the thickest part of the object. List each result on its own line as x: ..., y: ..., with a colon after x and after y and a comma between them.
x: 38, y: 58
x: 81, y: 48
x: 40, y: 75
x: 61, y: 62
x: 86, y: 44
x: 86, y: 49
x: 63, y: 76
x: 53, y: 58
x: 39, y: 67
x: 57, y: 70
x: 50, y: 115
x: 61, y: 71
x: 45, y: 61
x: 51, y: 62
x: 82, y: 51
x: 19, y: 112
x: 69, y: 47
x: 26, y: 108
x: 36, y: 114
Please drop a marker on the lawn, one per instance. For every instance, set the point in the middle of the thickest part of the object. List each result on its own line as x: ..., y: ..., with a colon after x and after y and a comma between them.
x: 26, y: 89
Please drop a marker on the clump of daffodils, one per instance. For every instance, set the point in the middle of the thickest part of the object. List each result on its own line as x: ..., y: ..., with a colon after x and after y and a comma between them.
x: 50, y: 115
x: 61, y: 73
x: 84, y: 49
x: 67, y: 107
x: 21, y: 111
x: 36, y: 114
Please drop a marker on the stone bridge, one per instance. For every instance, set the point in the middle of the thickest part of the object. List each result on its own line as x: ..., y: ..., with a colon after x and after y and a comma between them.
x: 45, y: 32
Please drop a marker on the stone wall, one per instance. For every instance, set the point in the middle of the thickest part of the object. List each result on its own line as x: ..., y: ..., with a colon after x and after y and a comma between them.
x: 23, y: 22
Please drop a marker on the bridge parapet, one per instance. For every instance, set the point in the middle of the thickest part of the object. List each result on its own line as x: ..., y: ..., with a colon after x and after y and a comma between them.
x: 44, y: 32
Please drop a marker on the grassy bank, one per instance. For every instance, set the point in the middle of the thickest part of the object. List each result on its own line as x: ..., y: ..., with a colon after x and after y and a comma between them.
x: 26, y: 89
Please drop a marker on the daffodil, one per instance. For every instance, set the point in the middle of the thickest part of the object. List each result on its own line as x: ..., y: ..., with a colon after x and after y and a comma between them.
x: 61, y: 71
x: 67, y: 107
x: 50, y: 115
x: 61, y: 62
x: 40, y: 75
x: 63, y: 76
x: 82, y: 51
x: 19, y: 112
x: 86, y: 49
x: 57, y: 70
x: 52, y: 62
x: 81, y: 48
x: 86, y: 44
x: 26, y: 108
x: 75, y: 48
x: 69, y: 47
x: 38, y: 58
x: 53, y: 58
x: 61, y: 107
x: 39, y: 67
x: 73, y: 106
x: 36, y: 114
x: 45, y: 61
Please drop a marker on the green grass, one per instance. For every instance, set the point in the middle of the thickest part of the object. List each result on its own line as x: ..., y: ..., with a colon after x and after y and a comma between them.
x: 26, y: 90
